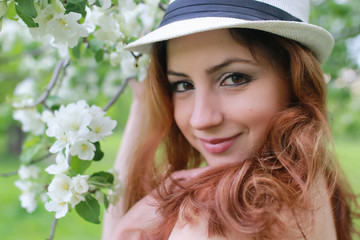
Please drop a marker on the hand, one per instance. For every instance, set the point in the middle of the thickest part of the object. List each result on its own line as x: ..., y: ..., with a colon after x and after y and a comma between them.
x: 139, y: 222
x: 142, y: 219
x: 138, y: 90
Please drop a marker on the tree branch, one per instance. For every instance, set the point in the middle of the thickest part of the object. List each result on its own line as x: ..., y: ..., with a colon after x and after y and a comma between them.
x: 137, y: 57
x: 52, y: 82
x: 40, y: 159
x: 162, y: 7
x: 53, y: 227
x: 60, y: 65
x: 9, y: 174
x: 121, y: 89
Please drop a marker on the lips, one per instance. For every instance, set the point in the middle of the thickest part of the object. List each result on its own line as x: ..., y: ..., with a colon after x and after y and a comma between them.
x: 218, y: 145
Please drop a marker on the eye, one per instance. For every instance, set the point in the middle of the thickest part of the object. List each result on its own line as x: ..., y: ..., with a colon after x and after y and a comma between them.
x: 181, y: 86
x: 235, y: 79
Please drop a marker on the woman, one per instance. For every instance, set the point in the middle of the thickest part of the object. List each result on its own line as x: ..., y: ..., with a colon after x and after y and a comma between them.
x: 235, y: 102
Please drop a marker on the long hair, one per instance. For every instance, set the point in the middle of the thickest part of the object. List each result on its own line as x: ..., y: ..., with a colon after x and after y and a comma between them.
x: 248, y: 196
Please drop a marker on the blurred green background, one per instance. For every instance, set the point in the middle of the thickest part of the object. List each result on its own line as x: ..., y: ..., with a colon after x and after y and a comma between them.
x: 340, y: 17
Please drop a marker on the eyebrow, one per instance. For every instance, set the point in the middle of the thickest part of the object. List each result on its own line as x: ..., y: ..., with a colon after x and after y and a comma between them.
x: 217, y: 67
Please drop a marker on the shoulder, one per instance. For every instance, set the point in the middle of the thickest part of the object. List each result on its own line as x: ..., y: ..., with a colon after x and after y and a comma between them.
x: 315, y: 224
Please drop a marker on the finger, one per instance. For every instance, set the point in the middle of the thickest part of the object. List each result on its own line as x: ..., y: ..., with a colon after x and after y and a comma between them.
x: 137, y: 88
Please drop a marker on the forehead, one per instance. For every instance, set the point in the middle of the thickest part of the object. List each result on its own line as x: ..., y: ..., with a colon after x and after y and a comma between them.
x: 209, y: 46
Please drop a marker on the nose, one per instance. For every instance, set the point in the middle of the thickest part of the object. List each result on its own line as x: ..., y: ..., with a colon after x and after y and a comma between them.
x: 206, y: 111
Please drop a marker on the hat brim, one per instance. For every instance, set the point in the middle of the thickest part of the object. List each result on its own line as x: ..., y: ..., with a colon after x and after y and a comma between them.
x: 315, y: 38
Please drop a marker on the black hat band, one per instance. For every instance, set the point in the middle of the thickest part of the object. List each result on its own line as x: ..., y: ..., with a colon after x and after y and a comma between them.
x: 241, y: 9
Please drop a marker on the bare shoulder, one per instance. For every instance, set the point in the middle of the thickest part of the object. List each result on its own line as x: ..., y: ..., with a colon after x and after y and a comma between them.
x: 316, y: 224
x: 320, y: 224
x: 185, y: 231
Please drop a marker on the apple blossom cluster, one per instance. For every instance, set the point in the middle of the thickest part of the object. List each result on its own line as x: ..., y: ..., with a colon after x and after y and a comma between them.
x: 64, y: 190
x: 84, y: 33
x: 29, y: 186
x: 76, y: 128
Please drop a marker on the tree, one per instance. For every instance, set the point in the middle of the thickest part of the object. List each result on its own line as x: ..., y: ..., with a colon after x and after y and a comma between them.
x: 75, y: 49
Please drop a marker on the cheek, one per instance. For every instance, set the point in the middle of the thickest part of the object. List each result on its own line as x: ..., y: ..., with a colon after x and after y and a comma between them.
x: 259, y: 112
x: 182, y: 115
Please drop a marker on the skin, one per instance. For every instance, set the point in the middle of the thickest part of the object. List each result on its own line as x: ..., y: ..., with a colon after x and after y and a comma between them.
x: 223, y: 99
x: 223, y: 108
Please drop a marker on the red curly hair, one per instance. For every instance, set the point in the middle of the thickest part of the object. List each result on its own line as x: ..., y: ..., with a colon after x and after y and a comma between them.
x: 247, y: 196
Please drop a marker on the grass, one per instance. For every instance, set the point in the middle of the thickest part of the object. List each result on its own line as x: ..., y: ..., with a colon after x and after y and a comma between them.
x: 17, y: 224
x: 348, y: 153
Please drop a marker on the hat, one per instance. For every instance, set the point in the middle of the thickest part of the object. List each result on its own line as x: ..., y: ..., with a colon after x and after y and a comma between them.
x: 286, y: 18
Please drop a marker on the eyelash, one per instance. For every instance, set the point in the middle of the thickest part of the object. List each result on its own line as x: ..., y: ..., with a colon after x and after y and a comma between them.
x: 244, y: 79
x: 175, y: 86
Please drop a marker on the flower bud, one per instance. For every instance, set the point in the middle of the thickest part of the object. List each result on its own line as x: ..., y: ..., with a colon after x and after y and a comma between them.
x: 3, y: 8
x: 57, y: 6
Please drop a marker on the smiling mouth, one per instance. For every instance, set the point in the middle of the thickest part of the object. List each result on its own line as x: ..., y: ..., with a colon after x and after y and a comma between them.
x: 218, y: 145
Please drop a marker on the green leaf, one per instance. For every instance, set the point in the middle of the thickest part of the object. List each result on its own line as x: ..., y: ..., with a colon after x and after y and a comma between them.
x: 27, y: 19
x: 78, y: 165
x: 106, y: 201
x: 102, y: 178
x: 55, y: 107
x: 95, y: 45
x: 99, y: 56
x: 98, y: 153
x: 76, y: 1
x: 11, y: 12
x: 31, y: 147
x: 76, y: 51
x: 97, y: 3
x: 76, y: 6
x: 27, y: 7
x: 89, y: 209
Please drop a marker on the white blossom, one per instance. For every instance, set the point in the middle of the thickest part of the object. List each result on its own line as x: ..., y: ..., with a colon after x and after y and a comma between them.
x: 30, y: 120
x: 127, y: 63
x: 27, y: 197
x: 69, y: 125
x: 46, y: 116
x: 61, y: 165
x: 106, y: 24
x: 60, y: 187
x: 101, y: 127
x: 66, y: 30
x: 60, y: 207
x: 28, y: 201
x: 25, y: 88
x: 96, y: 111
x: 99, y: 196
x: 59, y: 144
x: 26, y: 172
x: 75, y: 199
x: 63, y: 28
x: 84, y: 149
x: 109, y: 30
x: 80, y: 184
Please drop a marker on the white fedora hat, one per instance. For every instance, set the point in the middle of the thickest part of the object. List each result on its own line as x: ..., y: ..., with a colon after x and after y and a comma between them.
x: 286, y: 18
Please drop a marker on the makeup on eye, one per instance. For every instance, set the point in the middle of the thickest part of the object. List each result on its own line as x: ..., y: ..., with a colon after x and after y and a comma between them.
x: 181, y: 86
x: 235, y: 79
x: 231, y: 79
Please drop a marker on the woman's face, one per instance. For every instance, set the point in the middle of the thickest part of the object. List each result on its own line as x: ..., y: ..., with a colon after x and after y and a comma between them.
x: 223, y: 99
